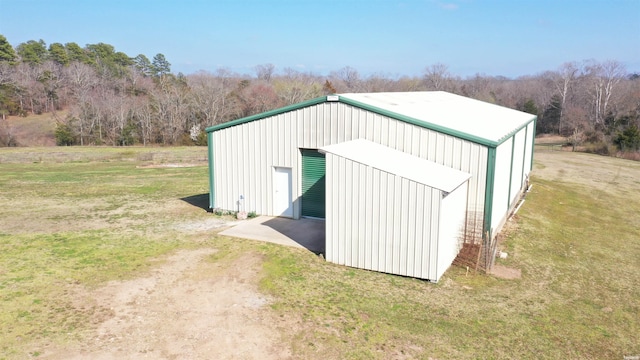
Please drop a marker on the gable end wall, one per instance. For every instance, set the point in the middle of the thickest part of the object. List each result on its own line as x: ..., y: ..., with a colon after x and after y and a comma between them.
x: 243, y: 156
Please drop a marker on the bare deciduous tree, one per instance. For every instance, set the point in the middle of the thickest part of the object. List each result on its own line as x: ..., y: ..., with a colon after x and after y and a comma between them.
x: 563, y: 82
x: 264, y: 71
x: 602, y: 79
x: 346, y: 79
x: 259, y: 97
x: 437, y: 77
x: 143, y: 115
x: 294, y: 87
x: 111, y: 100
x: 5, y: 73
x: 82, y: 81
x: 208, y: 97
x: 170, y: 103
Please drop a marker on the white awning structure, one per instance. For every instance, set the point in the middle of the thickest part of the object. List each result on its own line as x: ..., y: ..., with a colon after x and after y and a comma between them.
x: 399, y: 163
x: 391, y: 211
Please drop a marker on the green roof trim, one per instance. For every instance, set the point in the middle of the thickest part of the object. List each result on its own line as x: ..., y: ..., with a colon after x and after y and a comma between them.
x: 534, y: 119
x: 513, y: 148
x: 379, y: 111
x: 267, y: 114
x: 421, y: 123
x: 488, y: 193
x: 533, y: 144
x: 524, y: 153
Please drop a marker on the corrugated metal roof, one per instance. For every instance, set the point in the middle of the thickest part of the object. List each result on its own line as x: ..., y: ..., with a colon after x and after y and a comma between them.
x: 456, y: 115
x: 399, y: 163
x: 442, y: 110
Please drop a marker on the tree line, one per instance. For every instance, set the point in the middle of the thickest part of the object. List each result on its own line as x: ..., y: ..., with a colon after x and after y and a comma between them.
x: 111, y: 98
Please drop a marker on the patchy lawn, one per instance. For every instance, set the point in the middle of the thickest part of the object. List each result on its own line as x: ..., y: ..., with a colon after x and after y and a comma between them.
x: 106, y: 252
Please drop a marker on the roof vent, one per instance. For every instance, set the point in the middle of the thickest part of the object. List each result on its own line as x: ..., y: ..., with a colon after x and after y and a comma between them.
x: 333, y: 98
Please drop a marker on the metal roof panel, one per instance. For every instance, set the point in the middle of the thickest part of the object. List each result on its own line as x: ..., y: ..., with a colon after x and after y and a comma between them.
x: 438, y: 109
x: 399, y: 163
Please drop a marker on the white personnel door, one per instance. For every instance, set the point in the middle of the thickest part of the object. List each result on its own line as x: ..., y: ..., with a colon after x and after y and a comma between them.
x: 282, y: 204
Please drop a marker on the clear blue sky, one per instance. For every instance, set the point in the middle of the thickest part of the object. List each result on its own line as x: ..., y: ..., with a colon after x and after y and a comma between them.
x: 389, y: 37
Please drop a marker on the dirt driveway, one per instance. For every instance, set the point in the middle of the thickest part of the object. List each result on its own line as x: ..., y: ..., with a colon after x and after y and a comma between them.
x: 188, y: 308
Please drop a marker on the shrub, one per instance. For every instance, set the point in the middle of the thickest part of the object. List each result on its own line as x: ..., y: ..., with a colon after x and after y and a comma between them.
x: 6, y: 137
x: 629, y: 139
x: 222, y: 212
x: 184, y: 140
x: 600, y: 148
x: 64, y: 135
x: 218, y: 211
x: 635, y: 156
x: 201, y: 139
x: 128, y: 135
x: 593, y: 136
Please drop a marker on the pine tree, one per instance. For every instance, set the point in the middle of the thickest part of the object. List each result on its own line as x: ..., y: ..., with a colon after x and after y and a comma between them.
x: 6, y: 50
x: 143, y: 65
x: 33, y: 52
x: 160, y: 66
x: 58, y: 53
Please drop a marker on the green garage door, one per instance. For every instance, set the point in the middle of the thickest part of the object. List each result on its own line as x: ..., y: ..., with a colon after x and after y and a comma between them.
x: 313, y: 168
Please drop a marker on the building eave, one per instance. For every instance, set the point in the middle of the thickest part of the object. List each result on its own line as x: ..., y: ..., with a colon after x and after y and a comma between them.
x: 267, y: 114
x: 394, y: 115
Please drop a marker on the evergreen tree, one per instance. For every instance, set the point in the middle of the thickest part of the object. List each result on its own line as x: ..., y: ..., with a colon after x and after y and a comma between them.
x: 550, y: 120
x: 122, y: 59
x: 76, y: 53
x: 629, y: 139
x: 143, y: 64
x: 530, y: 107
x: 33, y: 52
x: 108, y: 61
x: 58, y: 53
x: 101, y: 51
x: 64, y: 134
x: 160, y: 66
x: 6, y: 50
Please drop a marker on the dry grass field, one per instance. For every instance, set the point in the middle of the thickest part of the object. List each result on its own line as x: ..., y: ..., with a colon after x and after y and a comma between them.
x: 108, y: 253
x: 35, y: 130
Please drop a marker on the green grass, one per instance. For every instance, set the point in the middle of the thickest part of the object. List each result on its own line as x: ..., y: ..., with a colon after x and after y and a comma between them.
x: 87, y: 216
x: 40, y: 271
x: 83, y: 216
x: 578, y: 298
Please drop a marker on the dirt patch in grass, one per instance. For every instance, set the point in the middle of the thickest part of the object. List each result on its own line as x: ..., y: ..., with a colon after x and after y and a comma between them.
x: 505, y: 272
x: 187, y: 308
x: 157, y: 166
x: 210, y: 224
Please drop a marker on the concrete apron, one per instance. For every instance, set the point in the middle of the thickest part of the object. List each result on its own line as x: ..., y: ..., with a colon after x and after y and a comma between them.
x: 303, y: 233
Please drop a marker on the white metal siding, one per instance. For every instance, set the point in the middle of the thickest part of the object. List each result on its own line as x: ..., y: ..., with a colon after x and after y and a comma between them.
x: 517, y: 171
x: 382, y: 222
x: 529, y: 148
x: 246, y: 154
x: 520, y: 161
x: 452, y: 228
x: 501, y: 183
